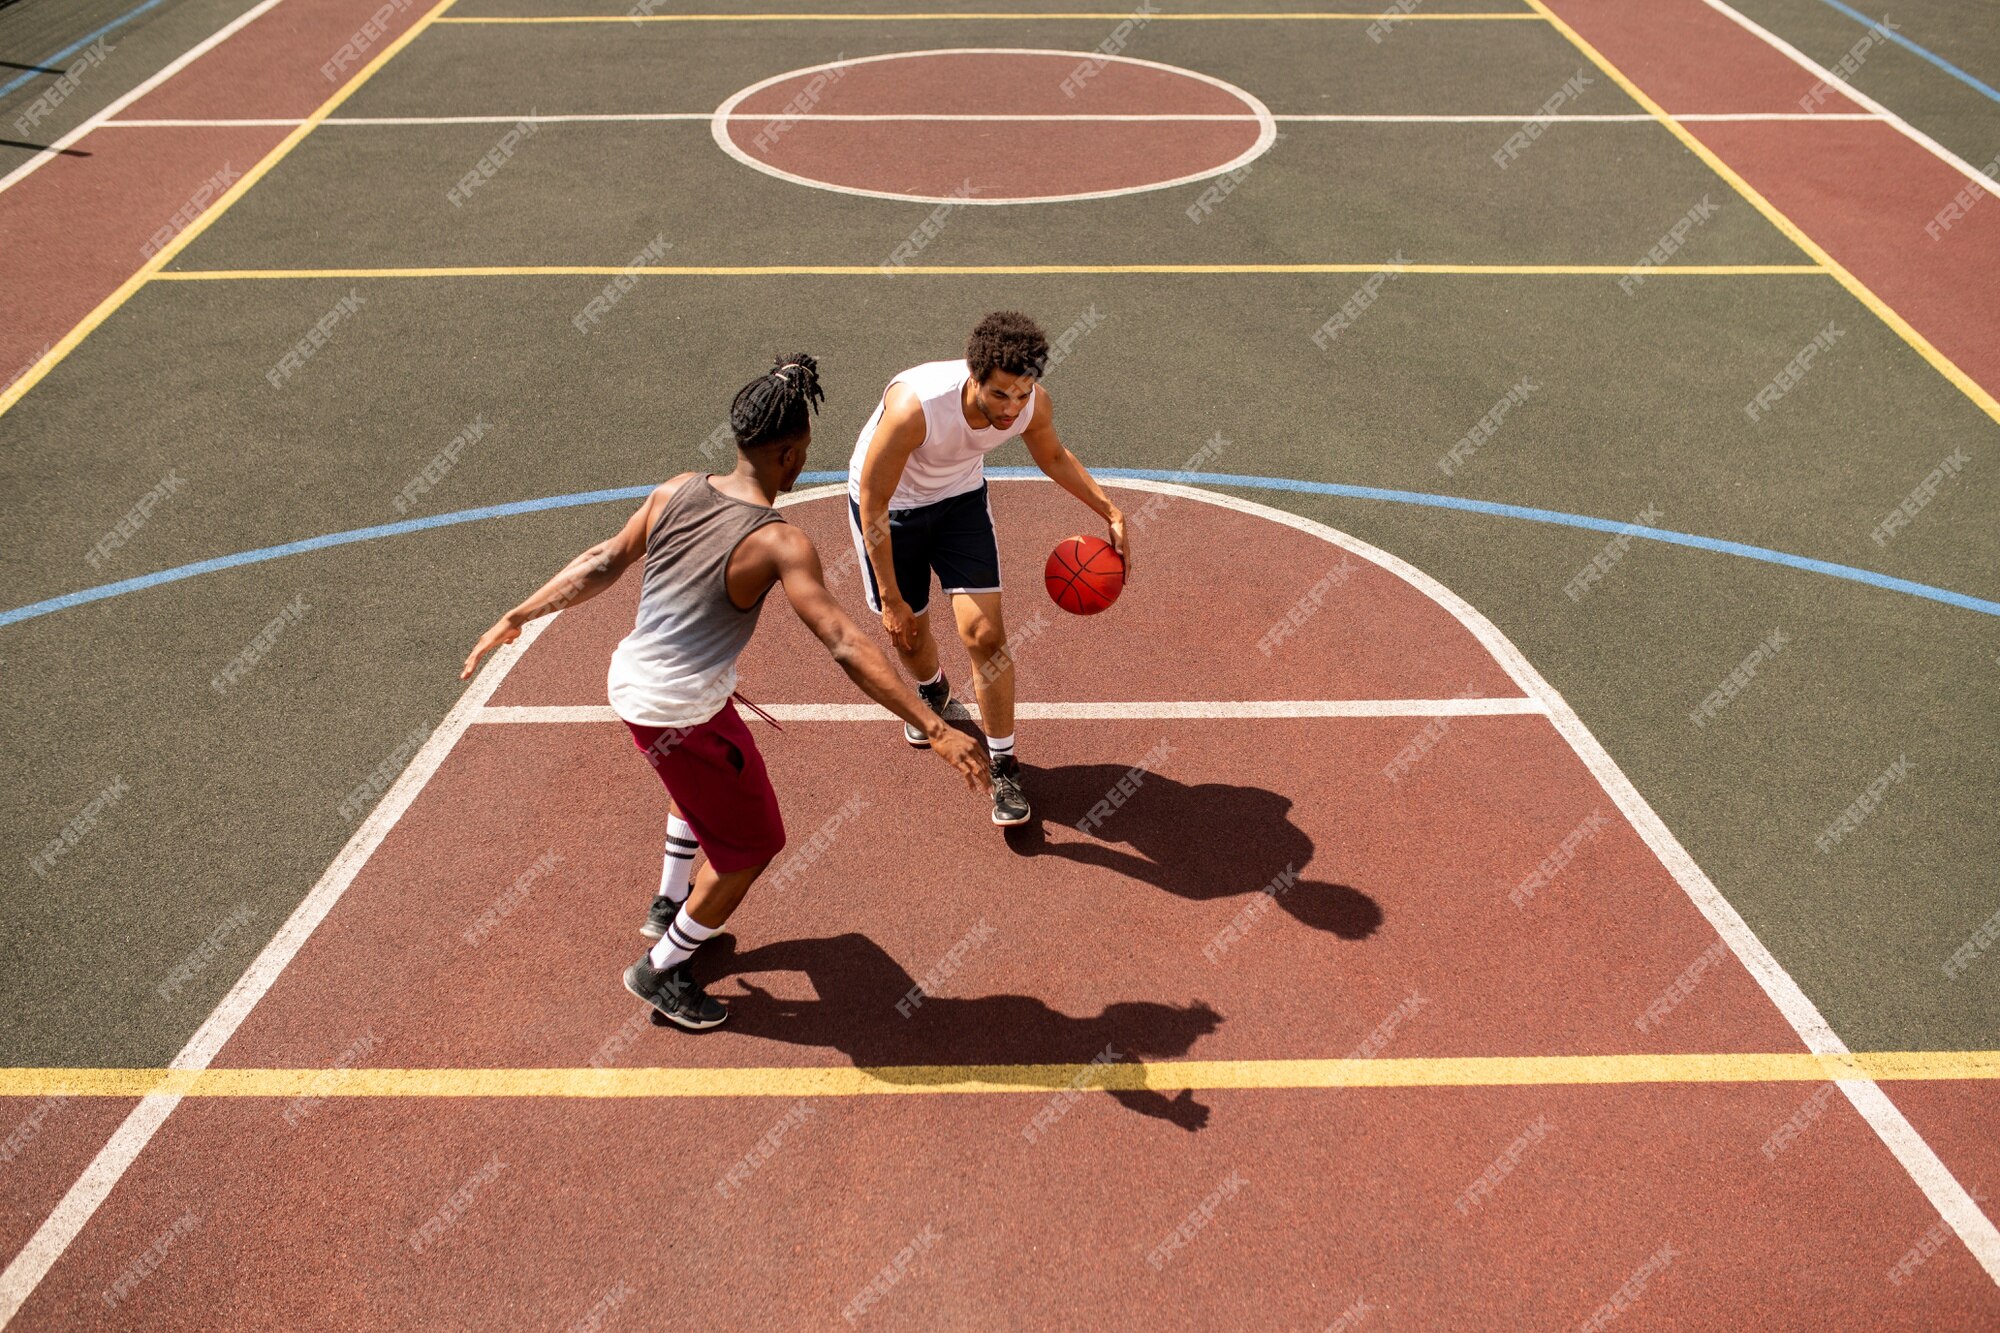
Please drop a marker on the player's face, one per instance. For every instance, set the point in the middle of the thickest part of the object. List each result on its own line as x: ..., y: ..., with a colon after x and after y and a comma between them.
x: 1003, y: 397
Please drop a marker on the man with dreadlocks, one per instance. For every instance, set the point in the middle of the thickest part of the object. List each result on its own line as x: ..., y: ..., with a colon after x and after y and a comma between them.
x: 916, y: 488
x: 712, y: 547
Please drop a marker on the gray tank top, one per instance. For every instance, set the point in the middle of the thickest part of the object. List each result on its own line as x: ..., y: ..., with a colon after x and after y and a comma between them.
x: 677, y: 668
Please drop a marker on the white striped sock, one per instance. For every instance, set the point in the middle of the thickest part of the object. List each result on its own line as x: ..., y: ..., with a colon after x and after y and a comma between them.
x: 683, y: 937
x: 677, y: 870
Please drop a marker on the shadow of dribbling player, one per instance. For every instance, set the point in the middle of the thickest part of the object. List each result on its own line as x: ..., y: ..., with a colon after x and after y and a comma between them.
x: 857, y: 1013
x: 1214, y: 840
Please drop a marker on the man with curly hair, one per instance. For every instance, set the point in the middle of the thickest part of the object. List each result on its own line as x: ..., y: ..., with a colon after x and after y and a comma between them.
x: 917, y: 505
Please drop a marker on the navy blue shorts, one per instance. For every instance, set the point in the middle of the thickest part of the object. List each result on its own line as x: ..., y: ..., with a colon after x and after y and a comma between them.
x: 953, y: 537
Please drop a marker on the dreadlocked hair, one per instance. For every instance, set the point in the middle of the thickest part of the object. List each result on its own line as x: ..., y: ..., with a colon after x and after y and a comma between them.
x: 774, y: 406
x: 1007, y: 340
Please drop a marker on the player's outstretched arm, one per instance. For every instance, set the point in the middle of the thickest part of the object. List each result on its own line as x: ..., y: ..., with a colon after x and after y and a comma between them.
x: 1062, y: 467
x: 805, y: 584
x: 581, y: 579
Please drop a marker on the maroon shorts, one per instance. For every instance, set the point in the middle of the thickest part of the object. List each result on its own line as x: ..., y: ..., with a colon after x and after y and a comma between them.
x: 717, y: 778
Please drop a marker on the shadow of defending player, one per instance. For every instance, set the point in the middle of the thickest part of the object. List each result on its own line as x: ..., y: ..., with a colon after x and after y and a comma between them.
x: 858, y: 1013
x: 1201, y: 842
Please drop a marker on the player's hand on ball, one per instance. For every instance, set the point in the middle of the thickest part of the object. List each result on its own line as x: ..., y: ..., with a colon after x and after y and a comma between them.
x: 901, y: 623
x: 1119, y: 541
x: 503, y: 631
x: 967, y: 756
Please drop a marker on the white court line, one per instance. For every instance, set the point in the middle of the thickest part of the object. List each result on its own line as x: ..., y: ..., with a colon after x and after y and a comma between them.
x: 1142, y: 710
x: 61, y: 1227
x: 1329, y: 118
x: 1917, y: 1157
x: 1811, y: 66
x: 103, y: 117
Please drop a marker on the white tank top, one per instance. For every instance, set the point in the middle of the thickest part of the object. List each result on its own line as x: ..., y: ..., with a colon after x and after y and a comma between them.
x: 951, y: 460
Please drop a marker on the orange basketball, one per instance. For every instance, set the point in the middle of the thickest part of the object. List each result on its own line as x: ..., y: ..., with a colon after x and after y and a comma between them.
x: 1084, y: 575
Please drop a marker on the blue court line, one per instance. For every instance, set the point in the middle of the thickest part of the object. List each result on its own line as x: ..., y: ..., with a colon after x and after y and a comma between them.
x: 1909, y: 45
x: 76, y: 46
x: 263, y: 553
x: 1552, y: 516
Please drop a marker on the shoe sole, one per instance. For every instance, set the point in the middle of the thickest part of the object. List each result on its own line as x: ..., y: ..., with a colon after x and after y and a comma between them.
x: 675, y: 1019
x: 1012, y: 823
x: 651, y: 931
x: 924, y: 742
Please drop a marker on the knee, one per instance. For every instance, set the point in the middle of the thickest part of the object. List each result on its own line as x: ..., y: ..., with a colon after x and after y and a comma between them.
x: 985, y: 639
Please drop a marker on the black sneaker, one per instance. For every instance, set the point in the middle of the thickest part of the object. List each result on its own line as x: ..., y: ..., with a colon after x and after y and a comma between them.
x: 1010, y: 807
x: 674, y: 995
x: 659, y: 916
x: 938, y: 697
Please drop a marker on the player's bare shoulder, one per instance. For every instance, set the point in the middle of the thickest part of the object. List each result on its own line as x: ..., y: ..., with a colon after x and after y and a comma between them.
x: 777, y: 546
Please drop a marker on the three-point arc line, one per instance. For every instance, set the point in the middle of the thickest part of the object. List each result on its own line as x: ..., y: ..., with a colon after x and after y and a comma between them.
x: 1717, y: 545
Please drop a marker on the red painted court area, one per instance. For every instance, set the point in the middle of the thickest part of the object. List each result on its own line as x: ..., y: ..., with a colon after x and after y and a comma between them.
x: 1401, y: 790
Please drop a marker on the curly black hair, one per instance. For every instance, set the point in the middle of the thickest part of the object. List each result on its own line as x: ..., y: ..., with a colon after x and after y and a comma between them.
x: 1007, y: 340
x: 772, y: 407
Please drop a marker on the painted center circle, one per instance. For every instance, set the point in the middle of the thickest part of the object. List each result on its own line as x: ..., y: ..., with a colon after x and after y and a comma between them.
x: 993, y: 126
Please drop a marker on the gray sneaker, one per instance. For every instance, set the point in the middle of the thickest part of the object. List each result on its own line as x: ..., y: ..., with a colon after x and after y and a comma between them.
x: 938, y: 697
x: 1010, y: 807
x: 674, y: 995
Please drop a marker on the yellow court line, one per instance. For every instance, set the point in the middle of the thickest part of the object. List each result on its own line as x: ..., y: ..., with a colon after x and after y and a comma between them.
x: 110, y: 304
x: 1902, y: 327
x: 969, y: 270
x: 1168, y: 1076
x: 1010, y: 16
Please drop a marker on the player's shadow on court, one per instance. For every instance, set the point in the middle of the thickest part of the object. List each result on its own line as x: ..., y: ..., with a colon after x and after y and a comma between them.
x: 860, y: 989
x: 1198, y: 842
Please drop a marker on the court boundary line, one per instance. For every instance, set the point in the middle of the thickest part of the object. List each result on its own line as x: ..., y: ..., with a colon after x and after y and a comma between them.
x: 1852, y: 93
x: 1858, y: 289
x: 66, y: 1221
x: 985, y: 271
x: 1918, y: 1159
x: 724, y: 116
x: 1308, y: 16
x: 1661, y: 1068
x: 1298, y: 118
x: 1289, y: 710
x: 167, y: 71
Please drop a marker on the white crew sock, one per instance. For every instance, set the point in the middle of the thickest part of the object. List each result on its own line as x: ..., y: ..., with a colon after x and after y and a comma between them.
x: 677, y: 871
x: 936, y: 676
x: 683, y: 937
x: 999, y: 746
